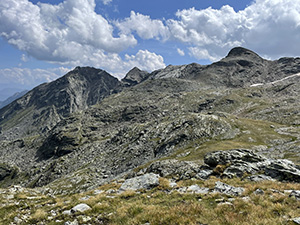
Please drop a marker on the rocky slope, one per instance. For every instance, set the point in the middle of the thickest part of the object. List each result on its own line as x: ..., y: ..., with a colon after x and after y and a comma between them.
x: 41, y: 108
x: 87, y: 128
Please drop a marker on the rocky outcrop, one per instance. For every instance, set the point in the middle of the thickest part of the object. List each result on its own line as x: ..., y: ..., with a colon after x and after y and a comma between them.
x: 240, y: 162
x: 235, y: 155
x: 174, y: 168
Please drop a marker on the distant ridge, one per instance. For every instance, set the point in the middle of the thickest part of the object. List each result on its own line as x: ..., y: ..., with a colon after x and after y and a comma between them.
x: 12, y: 98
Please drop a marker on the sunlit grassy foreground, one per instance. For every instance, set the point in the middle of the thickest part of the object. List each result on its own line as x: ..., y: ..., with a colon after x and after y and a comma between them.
x: 162, y: 205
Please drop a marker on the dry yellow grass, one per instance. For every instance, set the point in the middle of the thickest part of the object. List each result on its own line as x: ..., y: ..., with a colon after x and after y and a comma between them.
x: 159, y: 206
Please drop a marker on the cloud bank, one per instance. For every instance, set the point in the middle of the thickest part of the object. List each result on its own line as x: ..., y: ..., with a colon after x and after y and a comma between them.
x: 72, y: 33
x: 270, y: 27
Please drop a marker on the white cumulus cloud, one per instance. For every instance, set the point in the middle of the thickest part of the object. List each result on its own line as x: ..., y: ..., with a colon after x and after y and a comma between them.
x: 106, y: 2
x: 180, y: 52
x: 70, y: 33
x: 144, y: 26
x: 270, y: 27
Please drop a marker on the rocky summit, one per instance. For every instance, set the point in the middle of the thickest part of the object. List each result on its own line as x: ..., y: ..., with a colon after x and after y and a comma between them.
x: 235, y: 120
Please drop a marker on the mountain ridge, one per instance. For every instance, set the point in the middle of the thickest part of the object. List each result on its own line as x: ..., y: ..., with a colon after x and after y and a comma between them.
x: 92, y: 124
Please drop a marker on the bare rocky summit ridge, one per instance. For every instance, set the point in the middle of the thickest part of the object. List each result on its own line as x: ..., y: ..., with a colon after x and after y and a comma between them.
x: 88, y: 128
x: 41, y: 108
x: 134, y: 76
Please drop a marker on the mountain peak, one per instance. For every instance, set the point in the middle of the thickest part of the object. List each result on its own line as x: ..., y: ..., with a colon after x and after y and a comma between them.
x: 135, y: 76
x: 243, y: 53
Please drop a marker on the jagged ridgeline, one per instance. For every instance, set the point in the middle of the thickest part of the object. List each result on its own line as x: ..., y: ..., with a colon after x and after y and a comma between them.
x: 87, y: 127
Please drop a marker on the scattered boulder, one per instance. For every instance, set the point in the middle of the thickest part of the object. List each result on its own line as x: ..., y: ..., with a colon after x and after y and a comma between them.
x: 197, y: 190
x: 204, y: 174
x: 80, y: 208
x: 228, y: 190
x: 295, y: 194
x: 296, y: 220
x: 258, y: 191
x: 260, y: 177
x: 147, y: 181
x: 75, y: 222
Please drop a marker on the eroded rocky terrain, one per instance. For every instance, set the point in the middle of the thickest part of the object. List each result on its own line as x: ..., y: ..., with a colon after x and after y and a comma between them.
x: 88, y: 129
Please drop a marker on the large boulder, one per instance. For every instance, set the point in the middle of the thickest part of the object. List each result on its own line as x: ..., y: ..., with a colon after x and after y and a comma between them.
x: 282, y: 169
x: 228, y: 157
x: 147, y: 181
x: 174, y: 168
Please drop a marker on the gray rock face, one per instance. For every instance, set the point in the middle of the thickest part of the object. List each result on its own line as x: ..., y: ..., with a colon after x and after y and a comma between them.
x: 48, y: 103
x: 228, y: 190
x: 147, y: 181
x: 174, y: 168
x: 282, y: 169
x: 234, y: 155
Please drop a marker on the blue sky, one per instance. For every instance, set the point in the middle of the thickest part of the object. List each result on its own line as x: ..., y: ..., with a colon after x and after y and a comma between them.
x: 42, y: 40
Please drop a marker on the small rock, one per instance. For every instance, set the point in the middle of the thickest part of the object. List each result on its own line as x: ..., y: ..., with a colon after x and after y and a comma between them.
x: 218, y: 200
x: 85, y: 198
x: 259, y: 178
x: 85, y: 218
x: 246, y: 199
x: 97, y: 192
x: 182, y: 190
x: 259, y: 192
x: 172, y: 184
x: 197, y: 190
x: 80, y: 208
x: 67, y: 212
x: 75, y: 222
x: 295, y: 194
x: 204, y: 174
x: 227, y: 189
x: 10, y: 196
x: 296, y: 220
x: 53, y: 213
x: 110, y: 191
x: 17, y: 220
x: 226, y: 204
